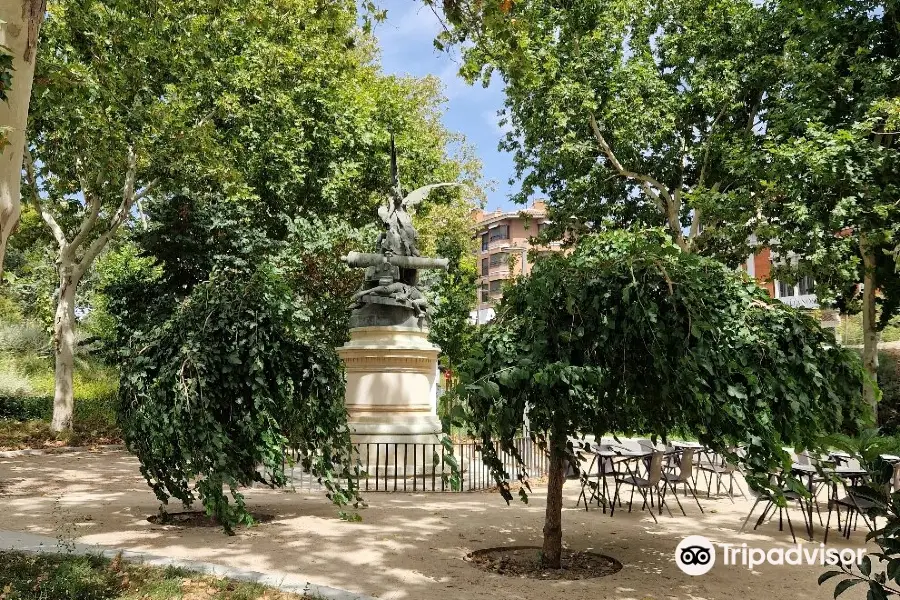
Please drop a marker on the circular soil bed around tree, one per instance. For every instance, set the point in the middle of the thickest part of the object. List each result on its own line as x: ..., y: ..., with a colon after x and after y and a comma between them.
x: 525, y: 561
x: 196, y: 518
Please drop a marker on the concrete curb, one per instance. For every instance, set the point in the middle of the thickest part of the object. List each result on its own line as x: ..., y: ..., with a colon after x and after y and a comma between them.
x: 60, y: 450
x: 296, y: 584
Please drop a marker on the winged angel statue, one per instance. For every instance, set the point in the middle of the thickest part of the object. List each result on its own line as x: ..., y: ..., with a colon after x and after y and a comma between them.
x: 392, y: 273
x: 400, y: 237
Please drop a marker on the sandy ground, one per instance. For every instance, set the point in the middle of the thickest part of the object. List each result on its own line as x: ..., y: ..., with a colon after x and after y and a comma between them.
x: 408, y: 546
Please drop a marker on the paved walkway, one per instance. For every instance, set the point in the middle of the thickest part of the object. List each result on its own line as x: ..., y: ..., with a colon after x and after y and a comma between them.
x: 29, y: 542
x: 407, y: 547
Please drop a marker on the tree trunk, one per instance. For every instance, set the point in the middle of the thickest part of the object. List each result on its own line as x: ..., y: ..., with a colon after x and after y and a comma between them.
x: 64, y: 348
x: 869, y: 331
x: 19, y: 33
x: 552, y: 549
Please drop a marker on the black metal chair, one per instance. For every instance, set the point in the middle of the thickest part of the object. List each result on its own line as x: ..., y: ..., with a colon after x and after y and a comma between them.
x: 645, y: 486
x: 771, y: 502
x: 605, y: 468
x: 857, y: 502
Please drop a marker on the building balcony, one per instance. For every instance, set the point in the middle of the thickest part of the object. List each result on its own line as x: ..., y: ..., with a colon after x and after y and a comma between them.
x: 801, y: 301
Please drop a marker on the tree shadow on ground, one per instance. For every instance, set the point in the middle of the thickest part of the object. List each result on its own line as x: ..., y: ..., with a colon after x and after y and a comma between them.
x: 407, y: 546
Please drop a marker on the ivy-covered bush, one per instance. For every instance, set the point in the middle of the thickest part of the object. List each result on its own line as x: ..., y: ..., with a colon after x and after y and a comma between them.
x: 218, y: 393
x: 630, y: 334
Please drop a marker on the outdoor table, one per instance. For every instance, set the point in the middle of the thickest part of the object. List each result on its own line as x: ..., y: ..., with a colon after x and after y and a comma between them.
x: 810, y: 471
x: 683, y: 444
x: 614, y: 457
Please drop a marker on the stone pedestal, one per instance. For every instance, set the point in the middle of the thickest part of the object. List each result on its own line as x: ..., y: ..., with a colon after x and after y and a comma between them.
x: 391, y: 385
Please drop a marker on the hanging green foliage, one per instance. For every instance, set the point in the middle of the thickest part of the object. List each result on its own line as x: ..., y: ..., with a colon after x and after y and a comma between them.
x: 231, y: 382
x: 630, y: 334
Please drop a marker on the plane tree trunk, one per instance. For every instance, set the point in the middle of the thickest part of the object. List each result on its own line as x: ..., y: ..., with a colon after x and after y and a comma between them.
x: 869, y: 326
x: 64, y: 349
x: 19, y: 33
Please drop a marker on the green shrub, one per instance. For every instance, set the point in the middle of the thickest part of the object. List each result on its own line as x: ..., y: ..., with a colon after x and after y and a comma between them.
x: 889, y: 383
x: 214, y: 396
x: 850, y: 330
x: 17, y: 408
x: 28, y: 374
x: 10, y: 311
x: 99, y: 411
x: 14, y: 384
x: 61, y: 577
x: 25, y: 337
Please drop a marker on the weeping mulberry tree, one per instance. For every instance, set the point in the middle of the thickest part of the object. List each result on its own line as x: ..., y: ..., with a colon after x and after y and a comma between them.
x: 631, y: 334
x: 235, y: 378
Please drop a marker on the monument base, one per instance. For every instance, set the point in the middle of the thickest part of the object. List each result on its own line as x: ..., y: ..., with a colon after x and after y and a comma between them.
x: 391, y: 393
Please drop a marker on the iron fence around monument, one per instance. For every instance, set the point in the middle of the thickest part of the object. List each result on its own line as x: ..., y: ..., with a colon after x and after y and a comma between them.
x: 406, y: 467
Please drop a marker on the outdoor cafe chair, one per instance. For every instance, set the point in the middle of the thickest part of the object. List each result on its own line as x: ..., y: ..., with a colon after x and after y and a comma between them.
x: 771, y: 503
x: 856, y: 503
x: 718, y: 467
x: 602, y: 467
x: 646, y: 486
x: 684, y: 476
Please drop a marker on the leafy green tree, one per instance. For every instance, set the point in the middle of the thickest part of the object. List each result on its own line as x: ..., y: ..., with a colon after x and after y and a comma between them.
x: 218, y: 393
x: 880, y: 576
x: 717, y: 119
x: 627, y: 112
x: 630, y: 334
x: 213, y: 124
x: 829, y: 162
x: 445, y: 230
x: 93, y: 141
x: 453, y: 296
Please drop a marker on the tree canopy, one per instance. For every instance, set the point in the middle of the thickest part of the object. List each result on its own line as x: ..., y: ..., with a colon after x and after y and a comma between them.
x: 626, y: 112
x: 205, y: 135
x: 630, y: 334
x: 828, y: 165
x: 735, y: 124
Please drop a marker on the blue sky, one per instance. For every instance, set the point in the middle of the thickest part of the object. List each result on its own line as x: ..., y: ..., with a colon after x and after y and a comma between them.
x: 406, y: 48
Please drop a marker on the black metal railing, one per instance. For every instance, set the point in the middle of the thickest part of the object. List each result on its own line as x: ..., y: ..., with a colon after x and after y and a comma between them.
x: 407, y: 467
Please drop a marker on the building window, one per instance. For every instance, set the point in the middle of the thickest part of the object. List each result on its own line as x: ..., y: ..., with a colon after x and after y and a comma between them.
x: 498, y: 233
x: 785, y: 290
x: 543, y: 226
x: 497, y: 286
x: 484, y: 266
x: 499, y: 259
x: 484, y: 242
x: 806, y: 286
x: 485, y: 294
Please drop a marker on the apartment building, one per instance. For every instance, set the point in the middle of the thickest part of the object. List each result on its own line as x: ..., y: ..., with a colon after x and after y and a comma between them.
x: 504, y: 242
x: 800, y: 295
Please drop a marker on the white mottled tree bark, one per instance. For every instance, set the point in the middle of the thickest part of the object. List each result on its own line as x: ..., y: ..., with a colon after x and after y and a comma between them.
x: 64, y: 350
x: 74, y: 257
x: 19, y: 34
